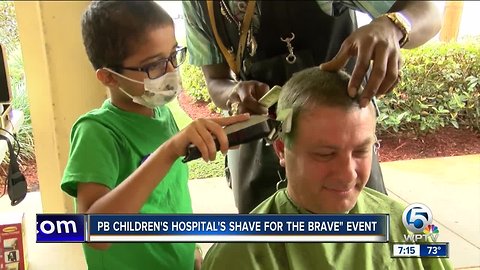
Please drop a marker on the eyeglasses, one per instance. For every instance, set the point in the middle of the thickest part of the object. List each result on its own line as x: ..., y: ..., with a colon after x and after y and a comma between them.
x: 159, y: 67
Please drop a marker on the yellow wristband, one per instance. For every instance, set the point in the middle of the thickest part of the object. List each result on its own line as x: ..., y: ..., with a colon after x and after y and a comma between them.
x: 402, y: 23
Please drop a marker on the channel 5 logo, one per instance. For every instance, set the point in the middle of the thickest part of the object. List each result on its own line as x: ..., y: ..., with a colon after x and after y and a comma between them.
x: 418, y: 218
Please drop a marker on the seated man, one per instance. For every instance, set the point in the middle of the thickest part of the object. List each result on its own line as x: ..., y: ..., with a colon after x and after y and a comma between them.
x: 327, y: 154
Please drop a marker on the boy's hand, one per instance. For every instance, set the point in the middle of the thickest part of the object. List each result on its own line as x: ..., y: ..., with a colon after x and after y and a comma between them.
x: 201, y: 133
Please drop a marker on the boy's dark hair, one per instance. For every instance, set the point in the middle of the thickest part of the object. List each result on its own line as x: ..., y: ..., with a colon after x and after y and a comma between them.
x: 111, y: 30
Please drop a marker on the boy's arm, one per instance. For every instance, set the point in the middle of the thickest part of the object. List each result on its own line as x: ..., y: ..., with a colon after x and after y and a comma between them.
x: 130, y: 195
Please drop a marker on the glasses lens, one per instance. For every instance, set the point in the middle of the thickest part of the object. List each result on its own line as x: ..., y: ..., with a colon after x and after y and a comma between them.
x: 157, y: 69
x: 179, y: 57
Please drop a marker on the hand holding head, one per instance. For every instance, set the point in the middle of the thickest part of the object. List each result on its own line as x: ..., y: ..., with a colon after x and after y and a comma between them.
x: 374, y: 46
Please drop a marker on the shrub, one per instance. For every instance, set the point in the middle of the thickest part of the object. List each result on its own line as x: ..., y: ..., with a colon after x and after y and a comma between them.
x: 199, y: 169
x: 193, y: 82
x: 440, y: 86
x: 8, y: 24
x: 195, y: 86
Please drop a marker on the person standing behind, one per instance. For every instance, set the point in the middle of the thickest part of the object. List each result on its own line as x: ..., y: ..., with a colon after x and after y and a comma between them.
x: 280, y: 38
x: 124, y: 156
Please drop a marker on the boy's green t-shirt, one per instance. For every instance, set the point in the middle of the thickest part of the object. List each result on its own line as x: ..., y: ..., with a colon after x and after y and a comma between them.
x: 107, y: 145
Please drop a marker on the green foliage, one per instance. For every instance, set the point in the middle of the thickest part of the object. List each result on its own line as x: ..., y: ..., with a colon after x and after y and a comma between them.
x: 199, y: 169
x: 25, y: 134
x: 8, y: 24
x: 213, y: 108
x: 194, y: 84
x: 11, y: 41
x: 440, y: 86
x: 16, y: 72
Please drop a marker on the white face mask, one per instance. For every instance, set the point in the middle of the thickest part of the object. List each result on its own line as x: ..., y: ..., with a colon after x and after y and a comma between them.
x: 158, y: 91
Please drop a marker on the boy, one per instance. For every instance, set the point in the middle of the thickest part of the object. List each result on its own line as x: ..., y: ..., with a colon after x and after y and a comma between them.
x: 124, y: 156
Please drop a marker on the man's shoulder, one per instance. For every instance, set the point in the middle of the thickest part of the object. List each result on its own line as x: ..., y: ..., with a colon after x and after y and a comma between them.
x: 234, y: 256
x: 278, y: 203
x: 376, y: 202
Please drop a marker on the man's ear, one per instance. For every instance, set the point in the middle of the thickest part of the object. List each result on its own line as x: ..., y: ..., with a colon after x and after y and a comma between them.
x: 279, y: 147
x: 106, y: 78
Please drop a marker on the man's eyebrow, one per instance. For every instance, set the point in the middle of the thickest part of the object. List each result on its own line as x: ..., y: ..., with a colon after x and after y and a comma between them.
x: 158, y: 56
x: 366, y: 142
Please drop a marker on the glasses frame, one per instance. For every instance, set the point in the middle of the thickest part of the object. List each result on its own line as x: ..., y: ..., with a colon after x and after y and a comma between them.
x: 165, y: 61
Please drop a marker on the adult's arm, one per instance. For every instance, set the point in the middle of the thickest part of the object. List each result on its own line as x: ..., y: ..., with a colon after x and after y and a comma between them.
x: 203, y: 52
x: 423, y: 16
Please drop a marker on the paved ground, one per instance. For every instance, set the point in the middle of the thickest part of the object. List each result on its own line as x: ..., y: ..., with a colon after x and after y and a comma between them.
x: 449, y: 186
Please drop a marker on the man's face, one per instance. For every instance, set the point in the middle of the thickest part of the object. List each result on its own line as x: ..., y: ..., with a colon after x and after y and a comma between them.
x: 330, y: 158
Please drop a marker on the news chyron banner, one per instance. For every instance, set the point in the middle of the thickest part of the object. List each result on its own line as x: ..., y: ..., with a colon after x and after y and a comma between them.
x: 212, y: 228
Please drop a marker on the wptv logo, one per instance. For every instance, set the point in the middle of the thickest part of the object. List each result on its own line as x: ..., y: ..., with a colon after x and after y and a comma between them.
x: 418, y: 218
